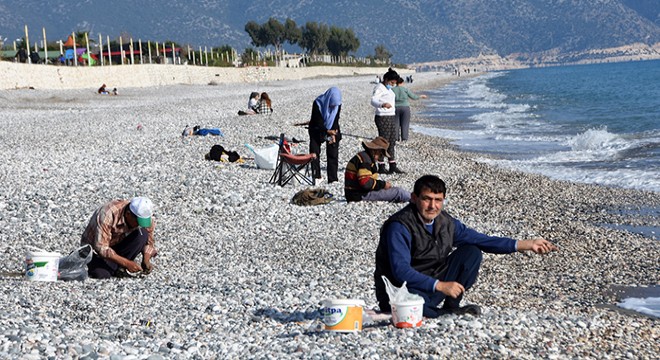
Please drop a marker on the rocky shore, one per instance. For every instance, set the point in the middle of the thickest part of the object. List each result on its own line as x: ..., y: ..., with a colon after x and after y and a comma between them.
x: 241, y: 271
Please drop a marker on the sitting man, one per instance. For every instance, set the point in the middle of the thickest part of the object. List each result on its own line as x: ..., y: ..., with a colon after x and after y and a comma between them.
x: 416, y: 246
x: 118, y: 231
x: 361, y: 181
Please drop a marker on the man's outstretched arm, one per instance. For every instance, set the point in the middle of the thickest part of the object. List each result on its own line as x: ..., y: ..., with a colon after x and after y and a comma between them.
x: 539, y: 246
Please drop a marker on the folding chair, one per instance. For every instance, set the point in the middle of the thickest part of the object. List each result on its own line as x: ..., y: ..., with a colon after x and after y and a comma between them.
x: 290, y: 166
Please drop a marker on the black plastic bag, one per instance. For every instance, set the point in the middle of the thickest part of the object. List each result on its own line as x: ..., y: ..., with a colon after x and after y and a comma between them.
x: 74, y: 265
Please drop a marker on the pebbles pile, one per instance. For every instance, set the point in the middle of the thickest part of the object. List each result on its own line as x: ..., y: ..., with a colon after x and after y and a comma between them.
x: 241, y: 270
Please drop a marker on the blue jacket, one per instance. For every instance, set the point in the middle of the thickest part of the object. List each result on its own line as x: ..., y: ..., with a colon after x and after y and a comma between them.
x: 421, y: 260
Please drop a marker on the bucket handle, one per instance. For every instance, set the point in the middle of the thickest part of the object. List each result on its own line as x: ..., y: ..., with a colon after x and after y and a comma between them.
x: 37, y: 248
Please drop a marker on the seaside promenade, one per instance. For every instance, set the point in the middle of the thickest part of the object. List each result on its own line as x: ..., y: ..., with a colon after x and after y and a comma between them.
x: 22, y: 76
x: 241, y: 271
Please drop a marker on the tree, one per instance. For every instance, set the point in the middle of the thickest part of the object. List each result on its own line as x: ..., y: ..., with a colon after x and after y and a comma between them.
x: 274, y: 34
x: 249, y: 55
x: 292, y: 32
x: 381, y: 53
x: 255, y: 32
x: 342, y: 41
x: 315, y: 38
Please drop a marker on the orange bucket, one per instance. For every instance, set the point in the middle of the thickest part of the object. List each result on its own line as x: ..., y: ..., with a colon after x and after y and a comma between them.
x: 343, y: 315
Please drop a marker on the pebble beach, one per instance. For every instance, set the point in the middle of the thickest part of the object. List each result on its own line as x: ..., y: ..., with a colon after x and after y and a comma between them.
x: 241, y: 271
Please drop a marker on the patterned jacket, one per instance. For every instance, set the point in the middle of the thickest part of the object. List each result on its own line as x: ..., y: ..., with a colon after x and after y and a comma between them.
x: 361, y: 176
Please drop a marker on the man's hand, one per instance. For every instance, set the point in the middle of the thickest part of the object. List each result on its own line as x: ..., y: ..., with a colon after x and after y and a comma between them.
x: 539, y: 246
x: 129, y: 265
x: 450, y: 288
x: 147, y: 267
x: 387, y: 105
x: 133, y: 267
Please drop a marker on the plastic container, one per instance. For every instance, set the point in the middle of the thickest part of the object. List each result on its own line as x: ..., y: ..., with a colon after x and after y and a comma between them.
x: 408, y: 314
x: 42, y: 265
x: 343, y: 315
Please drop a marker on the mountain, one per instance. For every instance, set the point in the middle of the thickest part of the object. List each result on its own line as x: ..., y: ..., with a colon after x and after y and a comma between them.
x: 413, y: 31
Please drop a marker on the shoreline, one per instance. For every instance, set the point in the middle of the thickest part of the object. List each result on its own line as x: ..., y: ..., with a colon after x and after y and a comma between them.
x: 241, y: 270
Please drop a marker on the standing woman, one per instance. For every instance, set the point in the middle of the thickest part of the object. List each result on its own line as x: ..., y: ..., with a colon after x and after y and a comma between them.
x: 383, y: 99
x: 402, y: 94
x: 324, y: 127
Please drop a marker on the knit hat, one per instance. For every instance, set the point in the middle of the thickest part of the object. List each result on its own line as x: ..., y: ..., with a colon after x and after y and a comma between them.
x: 142, y: 208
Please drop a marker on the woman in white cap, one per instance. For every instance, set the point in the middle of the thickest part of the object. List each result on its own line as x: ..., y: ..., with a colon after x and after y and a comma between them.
x: 118, y: 231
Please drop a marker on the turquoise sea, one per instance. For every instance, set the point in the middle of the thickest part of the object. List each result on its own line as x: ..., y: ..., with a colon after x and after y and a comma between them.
x: 595, y: 124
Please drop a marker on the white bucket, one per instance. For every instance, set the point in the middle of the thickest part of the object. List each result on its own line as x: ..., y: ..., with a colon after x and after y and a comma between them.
x: 408, y: 314
x: 343, y: 315
x: 42, y: 265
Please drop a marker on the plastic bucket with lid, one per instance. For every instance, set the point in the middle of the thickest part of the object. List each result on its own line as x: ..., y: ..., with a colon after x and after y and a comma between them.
x: 344, y: 315
x: 408, y: 313
x: 42, y: 265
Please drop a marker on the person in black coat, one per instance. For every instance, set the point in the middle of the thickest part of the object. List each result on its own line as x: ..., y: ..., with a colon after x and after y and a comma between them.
x: 324, y: 128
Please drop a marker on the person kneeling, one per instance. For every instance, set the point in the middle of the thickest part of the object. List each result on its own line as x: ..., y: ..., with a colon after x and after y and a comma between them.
x: 416, y: 246
x: 361, y: 181
x: 118, y: 231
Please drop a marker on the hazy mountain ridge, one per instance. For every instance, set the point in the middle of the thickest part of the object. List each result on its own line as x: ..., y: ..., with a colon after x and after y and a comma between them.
x: 414, y: 31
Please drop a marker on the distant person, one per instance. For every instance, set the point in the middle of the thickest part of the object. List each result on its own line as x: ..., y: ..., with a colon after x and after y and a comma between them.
x: 114, y: 91
x: 361, y: 181
x: 265, y: 104
x: 383, y: 100
x: 435, y: 254
x: 118, y: 231
x: 253, y: 102
x: 402, y: 112
x: 21, y: 55
x: 324, y: 128
x: 252, y: 106
x: 102, y: 90
x: 34, y: 57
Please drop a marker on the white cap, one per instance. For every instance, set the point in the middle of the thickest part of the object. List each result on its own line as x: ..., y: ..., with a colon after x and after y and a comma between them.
x: 142, y: 208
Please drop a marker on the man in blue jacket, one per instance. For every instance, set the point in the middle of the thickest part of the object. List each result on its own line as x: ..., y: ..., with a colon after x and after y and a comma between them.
x: 416, y: 246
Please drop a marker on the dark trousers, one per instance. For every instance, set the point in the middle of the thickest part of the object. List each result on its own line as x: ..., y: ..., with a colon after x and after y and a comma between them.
x: 463, y: 267
x: 316, y: 138
x: 130, y: 247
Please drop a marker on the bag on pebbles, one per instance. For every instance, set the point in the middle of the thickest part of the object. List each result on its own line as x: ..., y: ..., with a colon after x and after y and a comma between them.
x: 311, y: 196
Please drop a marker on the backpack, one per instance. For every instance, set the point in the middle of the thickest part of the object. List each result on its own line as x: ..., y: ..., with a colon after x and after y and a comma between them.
x: 312, y: 196
x: 216, y: 152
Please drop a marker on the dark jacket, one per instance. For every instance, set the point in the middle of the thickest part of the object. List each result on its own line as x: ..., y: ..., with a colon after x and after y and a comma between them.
x: 428, y: 251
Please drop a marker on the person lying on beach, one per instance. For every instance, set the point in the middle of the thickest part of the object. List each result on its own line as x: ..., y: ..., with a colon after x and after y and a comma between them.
x: 361, y: 181
x: 118, y: 231
x: 416, y: 247
x: 265, y: 104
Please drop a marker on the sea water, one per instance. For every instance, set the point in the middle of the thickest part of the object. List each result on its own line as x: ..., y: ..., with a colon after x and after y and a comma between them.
x: 596, y: 124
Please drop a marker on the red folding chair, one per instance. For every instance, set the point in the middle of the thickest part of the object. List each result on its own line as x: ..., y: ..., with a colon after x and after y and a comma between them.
x: 291, y: 166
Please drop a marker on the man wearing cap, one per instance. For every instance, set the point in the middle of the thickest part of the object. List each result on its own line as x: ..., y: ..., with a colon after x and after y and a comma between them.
x: 361, y: 181
x: 118, y: 231
x: 435, y: 254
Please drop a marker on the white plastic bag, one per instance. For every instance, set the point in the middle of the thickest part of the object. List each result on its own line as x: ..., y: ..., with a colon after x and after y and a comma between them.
x: 265, y: 158
x: 399, y: 295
